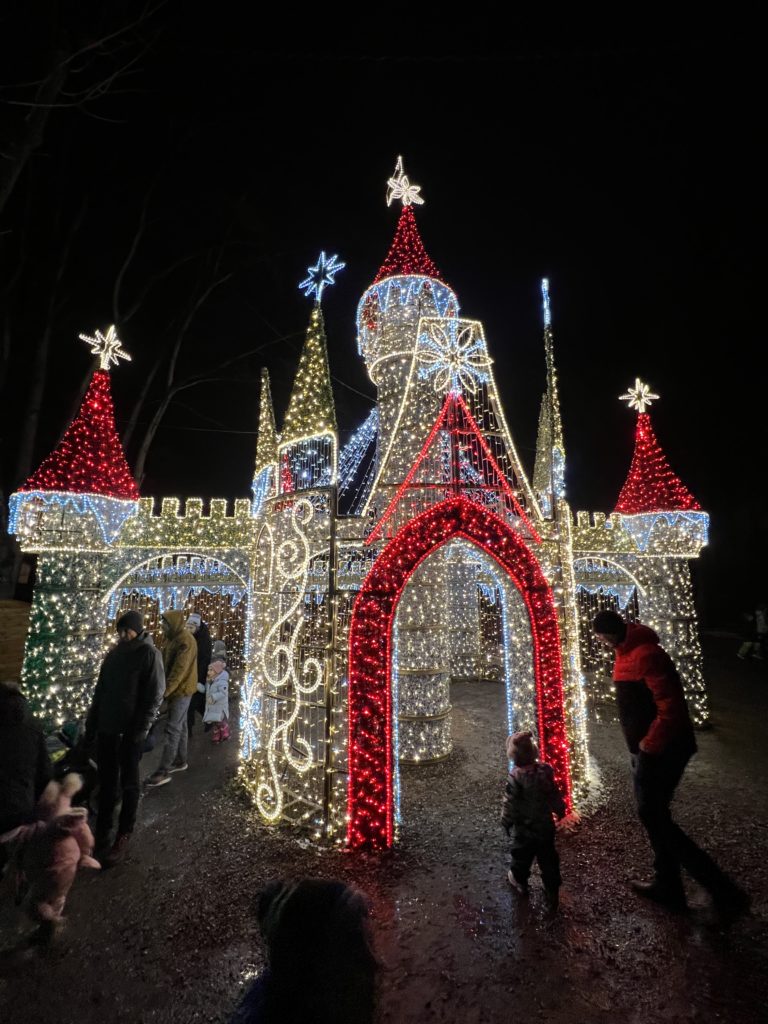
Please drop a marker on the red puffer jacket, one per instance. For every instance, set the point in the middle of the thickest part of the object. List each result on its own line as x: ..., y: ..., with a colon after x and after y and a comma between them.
x: 649, y: 694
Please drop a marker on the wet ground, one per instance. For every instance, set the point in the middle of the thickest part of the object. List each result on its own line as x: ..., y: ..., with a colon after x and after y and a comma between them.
x: 170, y: 936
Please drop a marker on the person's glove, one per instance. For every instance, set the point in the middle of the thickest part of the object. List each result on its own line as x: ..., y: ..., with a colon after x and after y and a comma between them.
x: 200, y: 688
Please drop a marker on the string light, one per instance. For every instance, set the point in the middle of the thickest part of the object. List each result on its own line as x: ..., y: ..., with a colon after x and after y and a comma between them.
x: 349, y: 628
x: 308, y: 443
x: 89, y: 459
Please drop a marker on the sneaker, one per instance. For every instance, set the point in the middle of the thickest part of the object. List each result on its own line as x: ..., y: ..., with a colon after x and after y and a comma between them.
x: 671, y: 898
x: 119, y: 849
x: 178, y: 767
x: 520, y: 887
x: 158, y: 779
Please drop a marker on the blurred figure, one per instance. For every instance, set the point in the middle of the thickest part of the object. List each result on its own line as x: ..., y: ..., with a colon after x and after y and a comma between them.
x: 321, y: 966
x: 202, y: 635
x: 48, y: 854
x: 25, y: 768
x: 756, y: 634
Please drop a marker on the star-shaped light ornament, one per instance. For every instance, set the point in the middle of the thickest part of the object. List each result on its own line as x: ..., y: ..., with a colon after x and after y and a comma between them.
x: 456, y: 356
x: 399, y: 187
x: 639, y: 397
x: 320, y: 275
x: 107, y: 347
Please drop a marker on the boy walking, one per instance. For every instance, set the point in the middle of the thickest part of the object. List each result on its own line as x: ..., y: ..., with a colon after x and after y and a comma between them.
x: 531, y: 797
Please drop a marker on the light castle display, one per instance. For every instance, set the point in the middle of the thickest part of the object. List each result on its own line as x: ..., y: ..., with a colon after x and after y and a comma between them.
x: 357, y: 584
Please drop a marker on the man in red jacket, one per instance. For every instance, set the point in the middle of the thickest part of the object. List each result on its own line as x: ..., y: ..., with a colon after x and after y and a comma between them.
x: 659, y: 734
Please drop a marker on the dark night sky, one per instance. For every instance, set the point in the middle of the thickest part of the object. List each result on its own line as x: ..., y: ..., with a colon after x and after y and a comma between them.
x: 624, y: 164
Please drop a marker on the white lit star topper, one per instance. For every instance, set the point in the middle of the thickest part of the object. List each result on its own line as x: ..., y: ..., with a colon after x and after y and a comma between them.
x: 399, y: 187
x: 320, y: 275
x: 639, y: 397
x: 107, y: 347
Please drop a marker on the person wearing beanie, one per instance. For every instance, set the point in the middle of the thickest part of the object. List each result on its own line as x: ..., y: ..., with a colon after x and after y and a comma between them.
x: 124, y: 706
x: 531, y: 798
x: 659, y: 734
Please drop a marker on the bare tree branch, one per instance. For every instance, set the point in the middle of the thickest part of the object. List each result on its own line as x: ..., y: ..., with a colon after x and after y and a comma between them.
x: 34, y: 403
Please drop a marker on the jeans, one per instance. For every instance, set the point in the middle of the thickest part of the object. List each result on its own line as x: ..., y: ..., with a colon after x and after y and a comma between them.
x: 655, y: 779
x: 544, y: 851
x: 176, y: 737
x: 118, y: 760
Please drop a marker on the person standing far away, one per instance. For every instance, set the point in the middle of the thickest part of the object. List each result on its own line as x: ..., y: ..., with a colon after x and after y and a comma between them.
x: 659, y: 733
x: 180, y: 660
x: 202, y: 635
x: 127, y: 696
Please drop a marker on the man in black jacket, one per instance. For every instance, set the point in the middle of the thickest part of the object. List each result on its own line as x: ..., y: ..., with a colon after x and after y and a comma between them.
x: 128, y: 693
x: 25, y: 768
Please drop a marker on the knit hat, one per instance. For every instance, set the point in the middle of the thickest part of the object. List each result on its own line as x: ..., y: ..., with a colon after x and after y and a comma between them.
x: 219, y: 650
x: 131, y: 620
x: 521, y: 749
x: 194, y: 619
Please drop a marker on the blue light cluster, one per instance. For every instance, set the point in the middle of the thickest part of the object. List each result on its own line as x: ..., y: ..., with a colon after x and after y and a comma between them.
x: 545, y: 302
x: 640, y: 526
x: 110, y: 513
x: 261, y: 487
x: 354, y: 450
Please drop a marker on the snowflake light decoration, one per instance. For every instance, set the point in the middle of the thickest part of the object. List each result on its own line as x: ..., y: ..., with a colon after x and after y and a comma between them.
x: 321, y: 275
x: 399, y: 187
x: 639, y: 397
x: 107, y: 347
x: 455, y: 355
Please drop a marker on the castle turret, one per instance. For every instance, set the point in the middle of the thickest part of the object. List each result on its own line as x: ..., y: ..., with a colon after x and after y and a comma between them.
x: 549, y: 470
x: 307, y: 452
x: 265, y: 470
x: 70, y: 512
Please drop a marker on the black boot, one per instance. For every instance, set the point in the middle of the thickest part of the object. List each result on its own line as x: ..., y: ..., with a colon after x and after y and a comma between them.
x: 669, y: 895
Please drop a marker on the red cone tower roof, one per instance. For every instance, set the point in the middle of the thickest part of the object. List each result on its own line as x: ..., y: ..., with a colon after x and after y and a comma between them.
x: 407, y: 254
x: 652, y: 486
x: 90, y: 457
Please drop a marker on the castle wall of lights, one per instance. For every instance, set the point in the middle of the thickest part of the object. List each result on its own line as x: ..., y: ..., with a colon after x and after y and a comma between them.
x: 369, y: 577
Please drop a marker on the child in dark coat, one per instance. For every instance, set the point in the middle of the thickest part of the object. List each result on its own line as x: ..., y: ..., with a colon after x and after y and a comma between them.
x: 531, y: 797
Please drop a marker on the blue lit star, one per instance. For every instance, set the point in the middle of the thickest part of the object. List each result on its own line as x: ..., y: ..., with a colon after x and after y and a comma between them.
x: 320, y: 275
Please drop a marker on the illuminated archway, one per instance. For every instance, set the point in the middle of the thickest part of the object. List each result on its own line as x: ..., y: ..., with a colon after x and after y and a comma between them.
x: 370, y: 794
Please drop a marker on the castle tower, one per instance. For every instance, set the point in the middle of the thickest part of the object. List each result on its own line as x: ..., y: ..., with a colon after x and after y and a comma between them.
x: 71, y: 511
x: 668, y: 526
x: 549, y: 469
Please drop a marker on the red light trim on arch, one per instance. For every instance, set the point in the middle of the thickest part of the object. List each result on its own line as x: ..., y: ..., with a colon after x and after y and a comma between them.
x: 370, y: 797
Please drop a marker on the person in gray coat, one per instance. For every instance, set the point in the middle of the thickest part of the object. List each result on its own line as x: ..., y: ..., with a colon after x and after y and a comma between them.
x: 128, y: 694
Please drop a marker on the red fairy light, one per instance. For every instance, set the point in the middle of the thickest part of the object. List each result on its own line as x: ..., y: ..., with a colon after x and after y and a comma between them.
x: 90, y: 458
x: 652, y: 486
x: 370, y: 797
